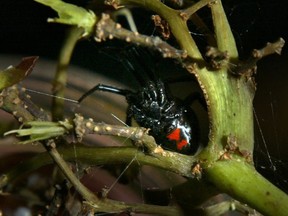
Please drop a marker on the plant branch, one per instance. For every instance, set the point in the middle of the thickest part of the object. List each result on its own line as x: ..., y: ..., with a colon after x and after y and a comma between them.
x: 176, y: 22
x: 158, y: 157
x: 106, y: 28
x: 224, y: 36
x: 60, y: 78
x: 102, y: 155
x: 248, y: 68
x: 240, y: 180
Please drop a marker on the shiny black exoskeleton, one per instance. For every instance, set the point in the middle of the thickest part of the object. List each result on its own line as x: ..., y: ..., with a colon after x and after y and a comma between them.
x: 171, y: 122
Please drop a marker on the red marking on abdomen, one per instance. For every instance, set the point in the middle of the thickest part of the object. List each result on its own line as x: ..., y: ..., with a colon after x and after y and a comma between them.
x: 176, y: 136
x: 181, y: 144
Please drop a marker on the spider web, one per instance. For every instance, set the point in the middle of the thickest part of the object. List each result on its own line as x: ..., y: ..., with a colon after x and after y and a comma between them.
x: 270, y: 154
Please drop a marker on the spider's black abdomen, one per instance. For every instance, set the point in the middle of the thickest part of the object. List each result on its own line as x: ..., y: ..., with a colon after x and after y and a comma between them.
x: 172, y: 125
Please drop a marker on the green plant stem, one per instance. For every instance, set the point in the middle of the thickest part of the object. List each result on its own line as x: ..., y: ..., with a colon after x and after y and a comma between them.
x: 60, y: 79
x: 230, y: 111
x: 240, y: 180
x: 99, y: 156
x: 229, y: 98
x: 224, y: 36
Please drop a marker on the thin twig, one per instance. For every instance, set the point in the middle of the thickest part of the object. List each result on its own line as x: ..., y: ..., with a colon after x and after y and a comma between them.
x: 106, y: 28
x: 248, y: 68
x: 137, y: 134
x: 50, y: 146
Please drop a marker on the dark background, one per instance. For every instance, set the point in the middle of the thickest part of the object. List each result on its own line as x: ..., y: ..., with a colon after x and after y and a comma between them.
x: 24, y: 31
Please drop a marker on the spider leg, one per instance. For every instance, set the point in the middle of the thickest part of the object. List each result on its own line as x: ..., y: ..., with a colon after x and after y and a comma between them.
x: 141, y: 63
x: 104, y: 88
x: 161, y: 92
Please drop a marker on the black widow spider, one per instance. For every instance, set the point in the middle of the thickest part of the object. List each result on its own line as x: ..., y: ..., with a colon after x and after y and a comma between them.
x: 171, y: 121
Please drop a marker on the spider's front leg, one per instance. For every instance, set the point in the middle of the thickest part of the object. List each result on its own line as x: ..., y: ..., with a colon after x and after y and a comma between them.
x: 104, y: 88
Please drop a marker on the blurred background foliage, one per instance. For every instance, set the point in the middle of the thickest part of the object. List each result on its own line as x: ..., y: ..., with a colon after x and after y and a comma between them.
x: 25, y: 32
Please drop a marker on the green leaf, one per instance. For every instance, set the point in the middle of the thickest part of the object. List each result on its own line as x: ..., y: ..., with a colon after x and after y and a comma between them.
x: 13, y: 75
x: 71, y: 15
x: 41, y: 130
